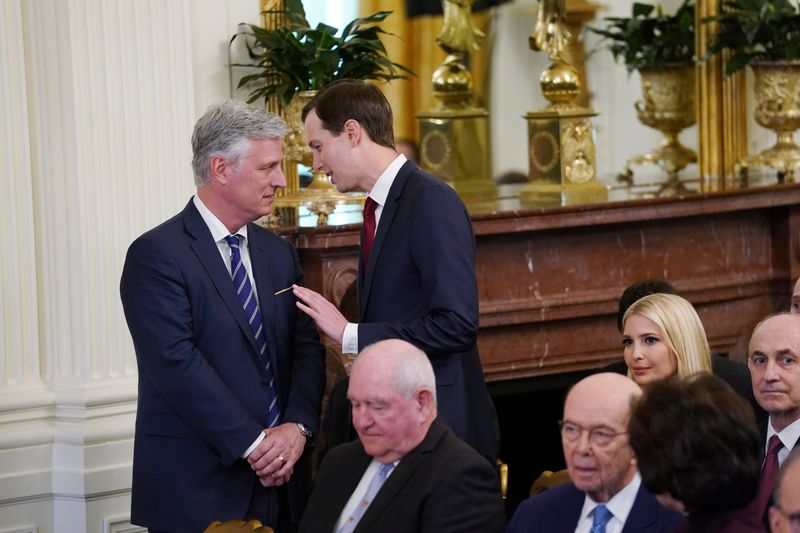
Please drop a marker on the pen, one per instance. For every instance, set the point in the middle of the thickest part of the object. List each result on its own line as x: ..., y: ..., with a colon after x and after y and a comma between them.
x: 283, y: 290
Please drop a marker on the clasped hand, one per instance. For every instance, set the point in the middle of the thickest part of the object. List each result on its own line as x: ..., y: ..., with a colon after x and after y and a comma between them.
x: 274, y: 458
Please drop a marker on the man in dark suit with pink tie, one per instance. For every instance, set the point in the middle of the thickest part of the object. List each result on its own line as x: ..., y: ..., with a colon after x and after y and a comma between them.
x: 418, y: 281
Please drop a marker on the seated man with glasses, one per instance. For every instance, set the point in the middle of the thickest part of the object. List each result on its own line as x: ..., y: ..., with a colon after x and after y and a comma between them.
x: 606, y: 494
x: 784, y: 515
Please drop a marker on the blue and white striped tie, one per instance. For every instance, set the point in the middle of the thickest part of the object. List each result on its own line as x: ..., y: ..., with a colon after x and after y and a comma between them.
x: 244, y: 288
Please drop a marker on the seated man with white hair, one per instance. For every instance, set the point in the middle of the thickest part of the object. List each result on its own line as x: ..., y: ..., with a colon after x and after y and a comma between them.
x: 407, y: 472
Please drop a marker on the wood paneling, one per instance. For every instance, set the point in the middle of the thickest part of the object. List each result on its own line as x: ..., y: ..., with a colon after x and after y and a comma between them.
x: 549, y: 279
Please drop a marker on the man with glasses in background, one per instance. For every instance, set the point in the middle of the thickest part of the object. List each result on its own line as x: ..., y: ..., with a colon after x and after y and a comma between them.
x: 606, y: 494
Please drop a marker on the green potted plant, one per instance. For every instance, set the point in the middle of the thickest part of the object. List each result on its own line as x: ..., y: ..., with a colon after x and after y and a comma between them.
x: 300, y: 58
x: 661, y: 48
x: 649, y: 38
x: 756, y: 31
x: 765, y: 34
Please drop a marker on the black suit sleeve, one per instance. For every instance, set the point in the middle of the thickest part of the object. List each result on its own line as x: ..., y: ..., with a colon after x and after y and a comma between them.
x: 467, y: 499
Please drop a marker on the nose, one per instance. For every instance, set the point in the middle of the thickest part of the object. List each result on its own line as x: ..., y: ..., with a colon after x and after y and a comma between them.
x: 771, y: 371
x: 316, y: 161
x: 279, y: 178
x: 584, y: 445
x: 638, y: 352
x: 361, y: 418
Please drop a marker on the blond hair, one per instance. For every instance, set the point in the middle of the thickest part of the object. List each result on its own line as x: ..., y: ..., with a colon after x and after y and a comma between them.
x: 681, y: 327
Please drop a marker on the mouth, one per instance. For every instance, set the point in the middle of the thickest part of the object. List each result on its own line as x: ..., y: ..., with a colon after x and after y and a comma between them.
x: 639, y: 370
x: 583, y: 471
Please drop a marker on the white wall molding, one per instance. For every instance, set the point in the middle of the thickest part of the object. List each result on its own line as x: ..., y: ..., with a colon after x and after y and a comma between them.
x: 98, y: 101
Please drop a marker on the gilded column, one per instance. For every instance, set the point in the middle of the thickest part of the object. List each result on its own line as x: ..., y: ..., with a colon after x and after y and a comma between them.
x: 721, y: 108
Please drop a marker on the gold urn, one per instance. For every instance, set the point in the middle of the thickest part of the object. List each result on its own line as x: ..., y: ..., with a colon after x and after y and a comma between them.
x: 777, y: 95
x: 667, y: 105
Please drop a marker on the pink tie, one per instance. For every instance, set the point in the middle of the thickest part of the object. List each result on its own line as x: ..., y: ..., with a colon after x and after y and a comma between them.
x: 768, y: 473
x: 369, y: 229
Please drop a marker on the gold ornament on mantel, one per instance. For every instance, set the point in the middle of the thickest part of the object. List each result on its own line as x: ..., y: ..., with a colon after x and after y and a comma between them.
x: 777, y: 95
x: 454, y: 136
x: 459, y: 33
x: 668, y: 107
x: 561, y: 150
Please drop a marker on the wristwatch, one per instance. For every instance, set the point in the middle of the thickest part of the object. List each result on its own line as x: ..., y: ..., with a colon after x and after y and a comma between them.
x: 306, y: 432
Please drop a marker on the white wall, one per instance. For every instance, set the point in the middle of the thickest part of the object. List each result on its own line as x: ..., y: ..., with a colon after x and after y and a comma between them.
x: 98, y: 99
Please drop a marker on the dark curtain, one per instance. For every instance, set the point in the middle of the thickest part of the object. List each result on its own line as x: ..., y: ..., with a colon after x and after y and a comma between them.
x: 416, y: 8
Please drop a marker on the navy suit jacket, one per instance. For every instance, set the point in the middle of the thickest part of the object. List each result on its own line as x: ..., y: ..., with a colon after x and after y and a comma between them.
x: 202, y: 384
x: 557, y: 510
x: 420, y: 286
x: 441, y: 486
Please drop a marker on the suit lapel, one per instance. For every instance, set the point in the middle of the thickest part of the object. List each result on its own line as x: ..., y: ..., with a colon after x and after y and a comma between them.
x: 265, y: 286
x: 643, y: 513
x: 207, y: 252
x: 400, y: 477
x: 387, y: 216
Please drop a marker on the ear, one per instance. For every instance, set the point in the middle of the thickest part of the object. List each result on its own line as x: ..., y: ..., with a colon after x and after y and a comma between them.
x: 424, y: 400
x: 352, y: 130
x: 219, y: 166
x: 774, y: 519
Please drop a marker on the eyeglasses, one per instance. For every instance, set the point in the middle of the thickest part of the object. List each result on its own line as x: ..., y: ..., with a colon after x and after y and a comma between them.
x: 597, y: 436
x: 792, y: 518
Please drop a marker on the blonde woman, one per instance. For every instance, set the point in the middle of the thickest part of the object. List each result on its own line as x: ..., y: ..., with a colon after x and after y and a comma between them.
x: 663, y: 337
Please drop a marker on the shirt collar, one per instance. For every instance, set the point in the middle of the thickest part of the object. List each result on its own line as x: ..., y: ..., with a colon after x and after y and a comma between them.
x: 620, y: 503
x: 788, y: 436
x: 215, y: 225
x: 380, y: 191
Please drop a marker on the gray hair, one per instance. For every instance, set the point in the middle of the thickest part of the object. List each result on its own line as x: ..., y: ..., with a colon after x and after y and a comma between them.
x: 225, y: 129
x: 414, y: 373
x: 411, y: 368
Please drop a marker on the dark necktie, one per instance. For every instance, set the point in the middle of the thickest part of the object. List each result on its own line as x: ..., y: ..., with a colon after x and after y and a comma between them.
x: 768, y: 474
x: 369, y: 229
x: 241, y: 281
x: 601, y: 517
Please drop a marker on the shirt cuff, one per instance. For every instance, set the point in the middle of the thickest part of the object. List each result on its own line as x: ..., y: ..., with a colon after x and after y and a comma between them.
x: 350, y: 338
x: 253, y: 446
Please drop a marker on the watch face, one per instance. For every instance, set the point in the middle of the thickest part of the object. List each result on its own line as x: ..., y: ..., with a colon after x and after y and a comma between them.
x: 305, y: 430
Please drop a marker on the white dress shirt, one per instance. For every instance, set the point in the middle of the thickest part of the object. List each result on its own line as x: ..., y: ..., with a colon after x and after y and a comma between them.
x: 788, y: 437
x: 620, y: 506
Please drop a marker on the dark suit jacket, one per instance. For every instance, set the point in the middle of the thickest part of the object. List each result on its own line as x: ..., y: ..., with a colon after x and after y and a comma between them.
x: 420, y: 286
x: 557, y: 510
x: 202, y: 395
x: 441, y: 486
x: 737, y: 375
